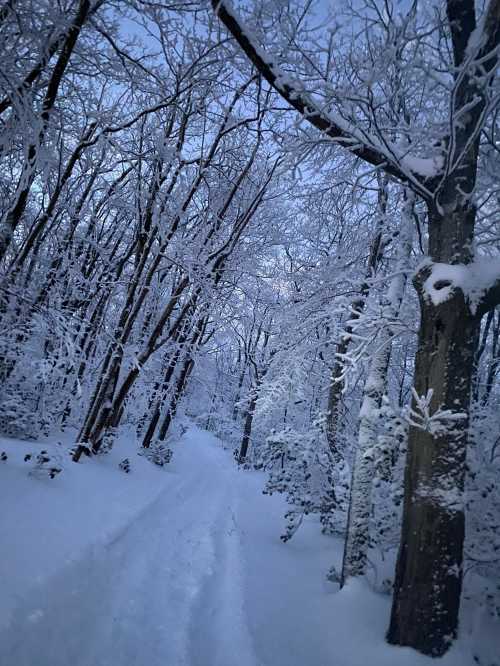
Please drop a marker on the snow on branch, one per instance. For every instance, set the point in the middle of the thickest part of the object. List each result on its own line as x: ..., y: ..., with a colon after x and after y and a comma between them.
x: 410, y: 169
x: 479, y: 281
x: 439, y: 422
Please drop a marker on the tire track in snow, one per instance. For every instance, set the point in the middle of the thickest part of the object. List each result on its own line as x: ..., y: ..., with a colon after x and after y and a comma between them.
x: 165, y: 591
x: 219, y: 633
x: 162, y: 563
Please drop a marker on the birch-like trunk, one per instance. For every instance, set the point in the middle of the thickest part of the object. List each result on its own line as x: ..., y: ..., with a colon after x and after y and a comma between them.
x: 358, y: 522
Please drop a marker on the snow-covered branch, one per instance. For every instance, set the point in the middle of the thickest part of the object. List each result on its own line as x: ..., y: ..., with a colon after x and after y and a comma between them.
x: 438, y: 422
x: 408, y: 168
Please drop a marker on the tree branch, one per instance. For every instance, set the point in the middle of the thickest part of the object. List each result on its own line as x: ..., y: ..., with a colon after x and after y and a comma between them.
x: 369, y: 150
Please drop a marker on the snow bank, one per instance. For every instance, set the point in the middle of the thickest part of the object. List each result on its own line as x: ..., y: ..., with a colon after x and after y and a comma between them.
x: 51, y: 524
x: 297, y: 617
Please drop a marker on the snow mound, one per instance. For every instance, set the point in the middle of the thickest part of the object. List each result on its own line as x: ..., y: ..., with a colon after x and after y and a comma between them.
x: 473, y: 279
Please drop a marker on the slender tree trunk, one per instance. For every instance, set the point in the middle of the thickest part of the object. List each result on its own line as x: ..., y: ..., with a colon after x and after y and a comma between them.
x: 360, y: 504
x: 241, y: 379
x: 483, y: 337
x: 249, y: 415
x: 494, y: 362
x: 182, y: 380
x: 27, y: 177
x: 247, y: 429
x: 356, y: 309
x: 180, y: 387
x: 158, y: 405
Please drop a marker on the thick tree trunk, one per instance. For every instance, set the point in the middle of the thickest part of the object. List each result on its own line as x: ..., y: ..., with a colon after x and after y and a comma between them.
x: 428, y: 577
x: 429, y: 571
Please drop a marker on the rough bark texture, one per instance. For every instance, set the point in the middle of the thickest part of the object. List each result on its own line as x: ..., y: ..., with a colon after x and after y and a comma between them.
x: 429, y: 570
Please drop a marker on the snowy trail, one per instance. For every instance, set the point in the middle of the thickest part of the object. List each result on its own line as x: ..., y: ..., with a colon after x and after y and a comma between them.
x: 173, y: 592
x: 199, y: 577
x: 163, y: 592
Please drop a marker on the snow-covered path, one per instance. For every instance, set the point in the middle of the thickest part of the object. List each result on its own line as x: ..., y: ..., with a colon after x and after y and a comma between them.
x: 176, y: 585
x: 162, y: 591
x: 199, y: 577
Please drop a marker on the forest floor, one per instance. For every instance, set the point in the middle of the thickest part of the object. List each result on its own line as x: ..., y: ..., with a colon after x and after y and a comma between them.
x: 180, y: 566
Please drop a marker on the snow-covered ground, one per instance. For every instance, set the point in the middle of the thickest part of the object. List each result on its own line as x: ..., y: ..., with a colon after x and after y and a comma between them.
x: 175, y: 566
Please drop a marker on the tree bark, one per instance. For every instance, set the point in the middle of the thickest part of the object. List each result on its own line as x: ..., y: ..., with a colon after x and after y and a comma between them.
x: 429, y: 569
x: 247, y: 428
x: 180, y: 387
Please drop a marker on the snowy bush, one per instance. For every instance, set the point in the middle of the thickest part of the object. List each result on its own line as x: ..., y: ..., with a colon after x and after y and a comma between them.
x: 107, y: 441
x: 125, y: 465
x: 158, y: 453
x: 44, y: 464
x: 387, y: 494
x: 300, y: 466
x: 482, y: 545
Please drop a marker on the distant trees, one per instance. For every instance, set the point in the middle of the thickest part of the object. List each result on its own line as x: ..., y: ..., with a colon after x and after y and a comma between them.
x: 133, y: 165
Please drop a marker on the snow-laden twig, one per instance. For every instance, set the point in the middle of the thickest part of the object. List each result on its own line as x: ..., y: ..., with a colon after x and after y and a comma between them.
x: 420, y: 415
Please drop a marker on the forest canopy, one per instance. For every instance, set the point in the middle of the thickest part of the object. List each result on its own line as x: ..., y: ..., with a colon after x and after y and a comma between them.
x: 278, y: 220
